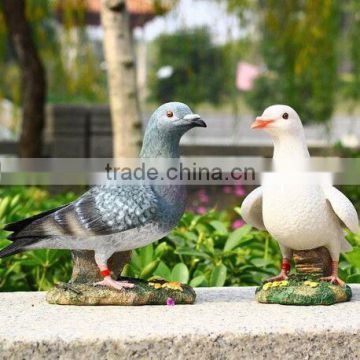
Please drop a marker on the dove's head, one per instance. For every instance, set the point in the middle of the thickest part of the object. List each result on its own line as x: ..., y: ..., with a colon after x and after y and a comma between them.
x: 279, y: 119
x: 176, y: 118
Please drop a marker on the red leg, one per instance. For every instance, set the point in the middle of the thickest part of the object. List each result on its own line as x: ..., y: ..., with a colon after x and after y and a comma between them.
x: 285, y: 269
x: 333, y: 278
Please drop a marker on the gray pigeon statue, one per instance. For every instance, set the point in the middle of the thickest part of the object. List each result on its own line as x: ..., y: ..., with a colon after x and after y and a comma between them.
x: 109, y: 219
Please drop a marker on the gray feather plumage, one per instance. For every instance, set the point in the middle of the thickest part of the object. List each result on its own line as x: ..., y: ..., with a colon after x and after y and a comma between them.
x: 114, y: 218
x: 103, y: 210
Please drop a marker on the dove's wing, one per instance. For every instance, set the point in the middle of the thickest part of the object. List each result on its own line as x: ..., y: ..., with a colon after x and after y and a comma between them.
x: 251, y: 209
x: 343, y: 208
x: 103, y: 210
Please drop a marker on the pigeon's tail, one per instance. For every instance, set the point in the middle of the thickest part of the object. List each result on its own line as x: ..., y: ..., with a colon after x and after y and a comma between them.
x: 25, y: 232
x: 20, y: 225
x: 15, y: 247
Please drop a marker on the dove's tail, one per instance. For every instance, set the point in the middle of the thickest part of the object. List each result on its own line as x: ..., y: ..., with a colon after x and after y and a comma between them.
x: 345, y: 246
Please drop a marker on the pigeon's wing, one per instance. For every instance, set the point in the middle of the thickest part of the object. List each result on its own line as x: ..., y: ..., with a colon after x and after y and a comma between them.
x: 251, y: 209
x: 103, y: 210
x: 112, y: 209
x: 343, y: 208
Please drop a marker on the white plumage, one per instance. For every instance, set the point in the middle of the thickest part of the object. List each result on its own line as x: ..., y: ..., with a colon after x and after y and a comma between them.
x: 300, y: 209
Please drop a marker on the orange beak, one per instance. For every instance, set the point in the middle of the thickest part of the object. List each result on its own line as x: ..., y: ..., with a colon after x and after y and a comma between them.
x: 261, y: 123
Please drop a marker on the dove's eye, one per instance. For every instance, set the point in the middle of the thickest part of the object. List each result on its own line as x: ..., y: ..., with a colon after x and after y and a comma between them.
x: 285, y: 116
x: 169, y: 114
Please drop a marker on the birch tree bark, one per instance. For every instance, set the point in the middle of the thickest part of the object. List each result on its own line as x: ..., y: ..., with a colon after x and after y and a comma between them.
x: 125, y: 115
x: 33, y: 82
x: 120, y: 61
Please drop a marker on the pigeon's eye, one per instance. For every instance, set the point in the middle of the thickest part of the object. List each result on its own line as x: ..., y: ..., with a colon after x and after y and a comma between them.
x: 285, y: 116
x: 169, y: 114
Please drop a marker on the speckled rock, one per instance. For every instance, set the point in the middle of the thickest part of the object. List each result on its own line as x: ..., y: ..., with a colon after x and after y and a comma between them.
x: 224, y: 323
x: 302, y: 289
x: 155, y: 292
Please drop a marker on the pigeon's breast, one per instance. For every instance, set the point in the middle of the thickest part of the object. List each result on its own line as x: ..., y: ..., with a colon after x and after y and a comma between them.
x: 297, y: 214
x: 171, y: 206
x: 136, y: 238
x: 172, y: 202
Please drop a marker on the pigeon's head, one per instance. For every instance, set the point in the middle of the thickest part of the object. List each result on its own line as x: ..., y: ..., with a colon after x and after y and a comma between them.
x: 279, y: 119
x: 175, y: 118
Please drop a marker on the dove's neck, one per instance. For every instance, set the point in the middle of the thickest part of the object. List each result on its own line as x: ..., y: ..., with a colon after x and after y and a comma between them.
x: 160, y: 145
x: 290, y: 152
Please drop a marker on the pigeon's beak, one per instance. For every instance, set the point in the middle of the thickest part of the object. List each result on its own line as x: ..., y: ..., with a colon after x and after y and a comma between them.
x: 261, y: 123
x: 195, y: 120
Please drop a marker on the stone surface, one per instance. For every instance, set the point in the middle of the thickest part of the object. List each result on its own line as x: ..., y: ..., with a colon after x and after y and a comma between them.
x: 302, y: 289
x: 156, y: 292
x: 224, y: 323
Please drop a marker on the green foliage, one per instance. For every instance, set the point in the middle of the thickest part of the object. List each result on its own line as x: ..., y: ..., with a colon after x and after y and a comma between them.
x: 198, y: 71
x: 32, y: 270
x: 352, y: 12
x: 201, y: 251
x: 349, y: 266
x: 351, y: 191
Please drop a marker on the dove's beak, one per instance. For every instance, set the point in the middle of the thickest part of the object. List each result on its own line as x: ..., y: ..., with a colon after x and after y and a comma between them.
x: 261, y: 123
x: 195, y: 120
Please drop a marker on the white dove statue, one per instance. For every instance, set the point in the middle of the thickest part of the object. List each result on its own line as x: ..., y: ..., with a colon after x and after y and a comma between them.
x: 299, y: 210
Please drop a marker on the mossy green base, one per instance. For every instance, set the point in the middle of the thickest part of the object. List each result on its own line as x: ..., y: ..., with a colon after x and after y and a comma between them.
x: 302, y: 289
x: 143, y: 293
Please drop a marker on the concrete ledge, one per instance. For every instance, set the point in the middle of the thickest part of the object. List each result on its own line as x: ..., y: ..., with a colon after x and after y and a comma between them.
x: 225, y: 323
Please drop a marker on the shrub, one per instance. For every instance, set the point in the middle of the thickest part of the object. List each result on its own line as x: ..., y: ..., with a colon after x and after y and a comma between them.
x: 31, y: 270
x: 203, y: 250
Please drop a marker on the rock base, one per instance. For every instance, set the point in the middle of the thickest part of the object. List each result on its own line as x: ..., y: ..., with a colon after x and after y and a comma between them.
x: 156, y: 292
x: 302, y: 289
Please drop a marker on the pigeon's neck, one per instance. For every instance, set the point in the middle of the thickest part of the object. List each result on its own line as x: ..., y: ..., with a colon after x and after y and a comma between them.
x: 160, y: 145
x: 290, y: 151
x: 173, y: 200
x: 166, y: 145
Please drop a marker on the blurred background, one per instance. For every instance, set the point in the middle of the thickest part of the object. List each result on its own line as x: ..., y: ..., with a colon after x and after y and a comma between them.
x: 79, y: 78
x: 227, y: 59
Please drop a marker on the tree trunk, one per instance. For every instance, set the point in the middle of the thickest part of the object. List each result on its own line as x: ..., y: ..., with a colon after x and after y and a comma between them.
x: 33, y: 84
x: 316, y: 261
x: 125, y: 117
x: 120, y: 61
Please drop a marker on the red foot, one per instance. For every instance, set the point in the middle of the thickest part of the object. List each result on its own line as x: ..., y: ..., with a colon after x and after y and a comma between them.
x: 109, y: 282
x: 334, y: 280
x: 282, y: 276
